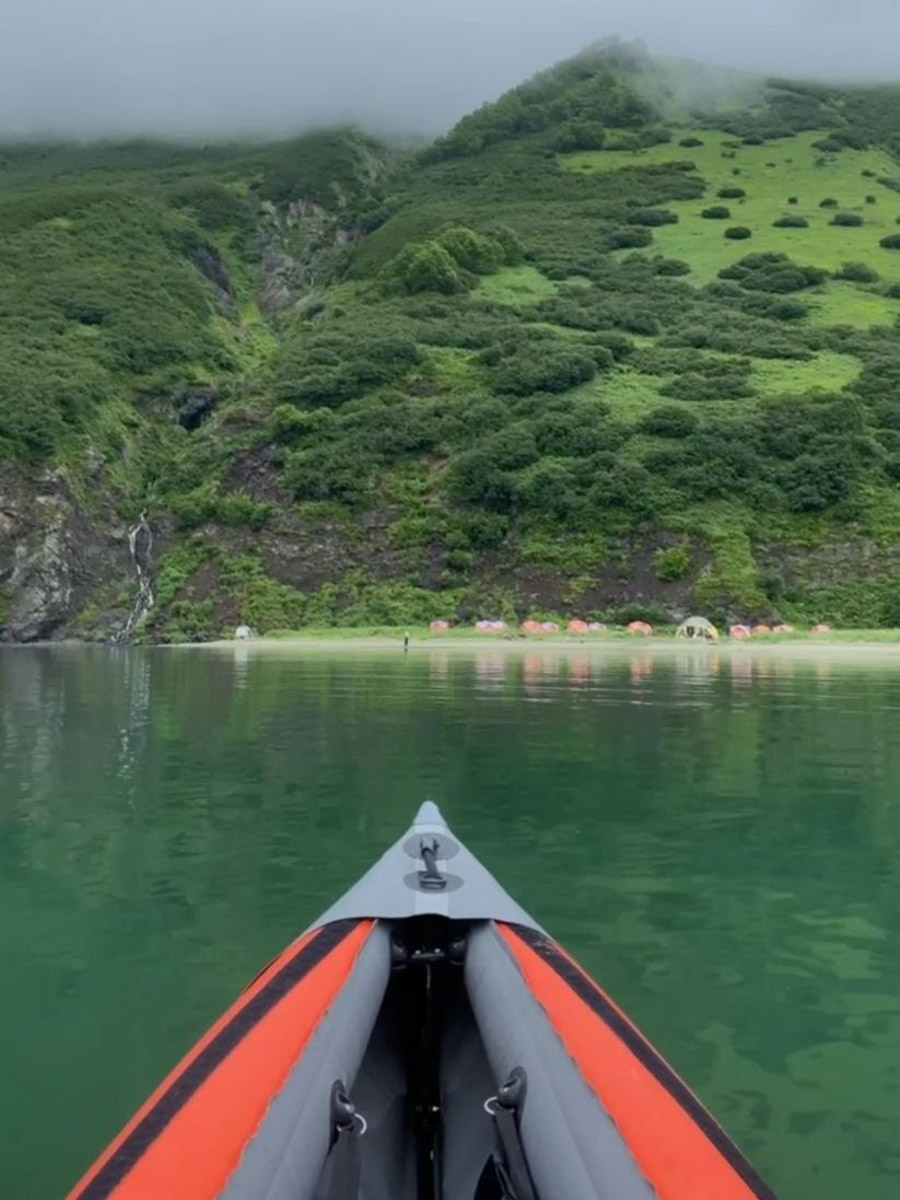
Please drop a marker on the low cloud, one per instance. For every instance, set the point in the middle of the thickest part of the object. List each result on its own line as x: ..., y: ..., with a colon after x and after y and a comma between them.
x: 219, y: 67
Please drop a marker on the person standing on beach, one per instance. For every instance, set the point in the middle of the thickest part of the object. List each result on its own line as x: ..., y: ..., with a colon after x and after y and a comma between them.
x: 406, y: 643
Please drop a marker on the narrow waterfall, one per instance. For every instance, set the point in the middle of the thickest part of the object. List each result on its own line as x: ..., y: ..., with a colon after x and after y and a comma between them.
x: 140, y: 544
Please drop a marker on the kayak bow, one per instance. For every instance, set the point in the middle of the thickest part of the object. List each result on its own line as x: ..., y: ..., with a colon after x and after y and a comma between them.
x: 425, y: 1039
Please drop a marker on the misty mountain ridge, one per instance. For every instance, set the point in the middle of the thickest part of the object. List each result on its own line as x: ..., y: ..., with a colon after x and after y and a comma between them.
x: 622, y: 342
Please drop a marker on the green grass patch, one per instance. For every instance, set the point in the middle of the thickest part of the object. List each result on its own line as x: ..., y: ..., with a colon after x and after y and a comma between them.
x: 840, y: 303
x: 516, y: 285
x: 796, y: 173
x: 827, y: 372
x: 629, y: 393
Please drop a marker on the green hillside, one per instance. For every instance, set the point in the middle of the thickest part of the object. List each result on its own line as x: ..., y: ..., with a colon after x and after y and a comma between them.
x: 612, y: 346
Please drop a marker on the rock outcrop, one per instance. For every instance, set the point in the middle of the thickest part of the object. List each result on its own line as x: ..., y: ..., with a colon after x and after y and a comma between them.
x: 55, y: 557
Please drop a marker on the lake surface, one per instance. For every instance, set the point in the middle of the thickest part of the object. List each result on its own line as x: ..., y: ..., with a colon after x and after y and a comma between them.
x: 717, y: 839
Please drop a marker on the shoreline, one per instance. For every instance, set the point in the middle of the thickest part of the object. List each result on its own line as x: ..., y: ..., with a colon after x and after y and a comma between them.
x: 847, y: 648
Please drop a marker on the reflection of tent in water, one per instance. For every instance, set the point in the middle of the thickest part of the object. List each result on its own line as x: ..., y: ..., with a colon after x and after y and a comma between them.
x: 698, y: 627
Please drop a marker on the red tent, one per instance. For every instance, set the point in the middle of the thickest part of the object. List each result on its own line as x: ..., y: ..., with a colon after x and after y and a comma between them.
x: 578, y: 626
x: 641, y: 627
x: 531, y: 627
x: 741, y: 632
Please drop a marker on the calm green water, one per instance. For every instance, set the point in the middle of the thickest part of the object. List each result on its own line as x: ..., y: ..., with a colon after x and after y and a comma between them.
x: 719, y: 843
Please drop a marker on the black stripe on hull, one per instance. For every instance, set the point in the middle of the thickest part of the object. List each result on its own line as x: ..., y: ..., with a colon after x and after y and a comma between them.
x: 197, y: 1072
x: 585, y: 988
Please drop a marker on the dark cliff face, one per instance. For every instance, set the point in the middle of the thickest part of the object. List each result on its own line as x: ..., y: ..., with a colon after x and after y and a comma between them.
x: 56, y: 558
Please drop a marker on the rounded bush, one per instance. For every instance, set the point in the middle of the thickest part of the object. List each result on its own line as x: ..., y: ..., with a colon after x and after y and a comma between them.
x: 690, y: 142
x: 629, y: 237
x: 718, y: 212
x: 731, y: 193
x: 793, y: 200
x: 867, y: 174
x: 671, y: 421
x: 828, y: 202
x: 740, y: 233
x: 871, y: 200
x: 787, y: 310
x: 672, y: 267
x: 893, y: 291
x: 849, y: 220
x: 791, y: 223
x: 651, y: 217
x: 892, y: 242
x: 857, y: 273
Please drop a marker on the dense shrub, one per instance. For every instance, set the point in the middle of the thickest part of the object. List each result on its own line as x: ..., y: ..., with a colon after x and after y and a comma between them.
x: 580, y: 135
x: 892, y: 242
x: 652, y: 217
x: 738, y: 233
x: 793, y: 200
x: 673, y: 562
x: 426, y: 267
x: 871, y: 200
x: 791, y: 222
x: 691, y: 142
x: 471, y: 251
x: 828, y: 202
x: 718, y: 212
x: 330, y: 369
x: 727, y: 382
x: 856, y: 272
x: 670, y: 421
x: 850, y: 220
x: 628, y: 237
x: 731, y: 193
x: 773, y: 273
x: 543, y: 368
x: 672, y: 267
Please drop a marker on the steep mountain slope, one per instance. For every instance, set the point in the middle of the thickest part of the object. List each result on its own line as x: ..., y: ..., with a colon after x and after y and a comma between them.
x: 598, y: 349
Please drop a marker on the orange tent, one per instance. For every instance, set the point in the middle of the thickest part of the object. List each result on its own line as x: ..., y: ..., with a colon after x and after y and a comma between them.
x: 821, y: 629
x: 741, y: 632
x: 531, y: 627
x: 578, y: 626
x: 783, y: 629
x: 761, y: 630
x: 641, y: 627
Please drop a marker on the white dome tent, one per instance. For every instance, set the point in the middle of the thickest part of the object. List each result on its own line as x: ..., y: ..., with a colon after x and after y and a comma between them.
x: 697, y: 629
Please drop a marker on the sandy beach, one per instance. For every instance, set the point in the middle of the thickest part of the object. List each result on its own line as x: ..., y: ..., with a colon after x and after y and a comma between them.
x: 835, y: 648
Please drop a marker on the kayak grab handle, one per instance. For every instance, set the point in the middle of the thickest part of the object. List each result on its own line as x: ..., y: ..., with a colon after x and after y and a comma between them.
x: 431, y: 880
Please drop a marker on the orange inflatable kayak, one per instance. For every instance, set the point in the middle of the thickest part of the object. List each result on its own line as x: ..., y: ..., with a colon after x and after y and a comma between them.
x: 424, y: 1040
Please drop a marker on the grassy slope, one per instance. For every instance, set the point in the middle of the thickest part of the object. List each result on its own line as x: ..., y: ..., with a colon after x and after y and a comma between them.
x: 770, y: 174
